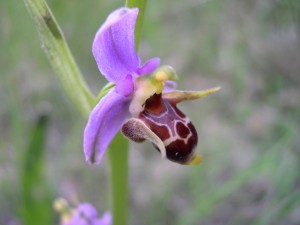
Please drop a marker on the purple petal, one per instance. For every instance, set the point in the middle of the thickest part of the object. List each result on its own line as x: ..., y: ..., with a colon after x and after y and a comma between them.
x: 104, y: 122
x: 125, y: 86
x: 87, y: 210
x: 77, y: 221
x: 113, y: 46
x: 149, y: 66
x: 106, y: 219
x: 84, y: 212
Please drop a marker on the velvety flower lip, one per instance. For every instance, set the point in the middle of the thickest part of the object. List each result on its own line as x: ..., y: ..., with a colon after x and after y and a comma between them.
x: 114, y: 52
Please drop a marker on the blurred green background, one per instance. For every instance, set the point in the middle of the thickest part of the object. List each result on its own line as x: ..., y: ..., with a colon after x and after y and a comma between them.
x: 248, y: 132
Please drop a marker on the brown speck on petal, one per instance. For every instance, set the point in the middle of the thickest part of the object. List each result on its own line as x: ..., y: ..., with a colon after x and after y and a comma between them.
x: 136, y: 130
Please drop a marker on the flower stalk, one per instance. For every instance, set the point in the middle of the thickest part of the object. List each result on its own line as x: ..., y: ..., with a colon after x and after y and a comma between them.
x: 60, y: 56
x: 141, y: 4
x: 118, y: 175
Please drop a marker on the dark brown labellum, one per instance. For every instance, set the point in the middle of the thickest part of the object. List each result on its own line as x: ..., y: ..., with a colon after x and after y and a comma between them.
x: 174, y: 129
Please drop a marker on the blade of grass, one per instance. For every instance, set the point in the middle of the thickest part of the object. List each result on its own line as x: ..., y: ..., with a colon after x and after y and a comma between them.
x: 60, y: 56
x: 36, y: 199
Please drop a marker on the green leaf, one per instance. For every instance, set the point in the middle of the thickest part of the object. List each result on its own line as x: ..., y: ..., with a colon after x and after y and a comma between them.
x: 36, y: 199
x: 60, y: 56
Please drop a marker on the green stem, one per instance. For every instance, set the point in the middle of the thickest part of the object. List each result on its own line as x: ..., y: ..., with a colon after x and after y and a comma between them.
x: 60, y: 56
x: 118, y: 161
x: 141, y: 4
x: 118, y: 151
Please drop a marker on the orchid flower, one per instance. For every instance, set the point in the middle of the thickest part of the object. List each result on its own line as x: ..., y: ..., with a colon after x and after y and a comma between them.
x: 141, y: 103
x: 83, y: 214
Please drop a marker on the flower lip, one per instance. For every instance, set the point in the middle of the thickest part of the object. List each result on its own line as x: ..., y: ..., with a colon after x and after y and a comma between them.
x: 175, y: 129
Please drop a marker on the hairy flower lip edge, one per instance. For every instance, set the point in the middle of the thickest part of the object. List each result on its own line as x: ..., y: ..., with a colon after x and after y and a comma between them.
x: 135, y: 128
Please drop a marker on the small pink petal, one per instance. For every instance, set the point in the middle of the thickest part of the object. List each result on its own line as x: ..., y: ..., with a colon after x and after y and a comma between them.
x: 149, y: 66
x: 106, y: 219
x: 125, y: 87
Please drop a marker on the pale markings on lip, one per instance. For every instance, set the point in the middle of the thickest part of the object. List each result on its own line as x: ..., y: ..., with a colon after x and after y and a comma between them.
x: 171, y: 130
x: 177, y: 137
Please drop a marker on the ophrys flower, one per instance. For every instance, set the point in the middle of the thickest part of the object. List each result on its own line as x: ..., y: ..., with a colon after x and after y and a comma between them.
x: 141, y: 102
